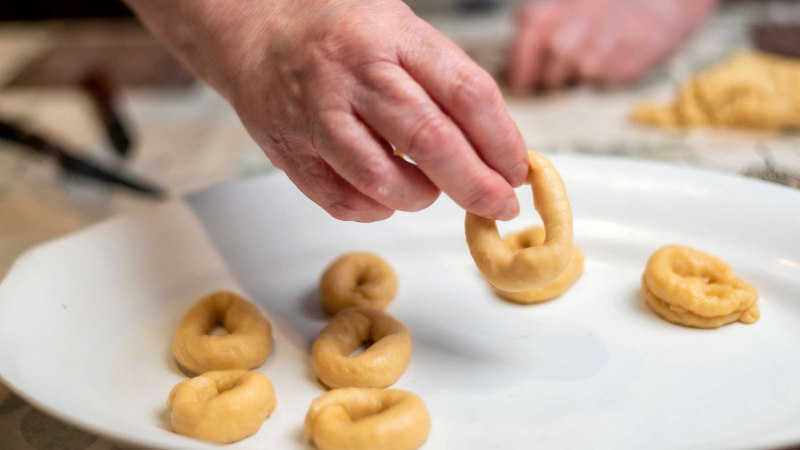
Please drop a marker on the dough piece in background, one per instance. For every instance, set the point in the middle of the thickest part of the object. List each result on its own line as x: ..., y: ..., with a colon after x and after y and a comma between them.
x: 357, y: 279
x: 750, y: 90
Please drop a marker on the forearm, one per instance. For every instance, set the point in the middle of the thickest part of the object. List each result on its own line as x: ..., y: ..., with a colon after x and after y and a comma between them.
x: 213, y: 38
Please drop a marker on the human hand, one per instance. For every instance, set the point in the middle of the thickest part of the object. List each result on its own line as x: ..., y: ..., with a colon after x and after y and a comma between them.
x: 324, y: 87
x: 598, y: 41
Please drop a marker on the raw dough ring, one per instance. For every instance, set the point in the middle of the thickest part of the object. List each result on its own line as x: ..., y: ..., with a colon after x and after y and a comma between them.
x: 687, y: 318
x: 221, y: 407
x: 379, y: 366
x: 366, y: 419
x: 692, y: 288
x: 534, y: 267
x: 357, y: 279
x: 529, y: 238
x: 247, y: 345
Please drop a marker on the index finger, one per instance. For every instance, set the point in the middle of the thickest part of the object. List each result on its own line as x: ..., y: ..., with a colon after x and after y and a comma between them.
x: 470, y: 96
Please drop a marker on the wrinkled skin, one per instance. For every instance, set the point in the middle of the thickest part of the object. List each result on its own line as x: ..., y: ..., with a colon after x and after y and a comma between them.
x: 605, y: 42
x: 325, y: 86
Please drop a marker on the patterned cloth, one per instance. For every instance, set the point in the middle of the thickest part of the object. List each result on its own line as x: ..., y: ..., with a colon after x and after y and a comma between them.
x: 192, y: 139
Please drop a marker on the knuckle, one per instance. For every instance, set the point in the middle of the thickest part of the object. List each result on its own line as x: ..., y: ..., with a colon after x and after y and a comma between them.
x: 373, y: 175
x: 474, y: 89
x: 418, y: 198
x: 428, y: 137
x: 381, y: 77
x: 481, y: 196
x: 589, y: 67
x: 426, y: 200
x: 343, y: 210
x: 509, y: 150
x: 346, y: 38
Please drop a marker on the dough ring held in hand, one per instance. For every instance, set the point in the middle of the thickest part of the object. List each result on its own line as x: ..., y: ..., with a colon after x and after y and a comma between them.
x: 368, y: 419
x: 221, y: 407
x: 533, y: 267
x: 531, y: 237
x: 357, y: 279
x: 695, y: 289
x: 247, y: 345
x: 379, y: 366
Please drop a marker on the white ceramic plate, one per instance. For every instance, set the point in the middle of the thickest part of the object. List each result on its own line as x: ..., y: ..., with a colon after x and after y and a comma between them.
x: 86, y: 321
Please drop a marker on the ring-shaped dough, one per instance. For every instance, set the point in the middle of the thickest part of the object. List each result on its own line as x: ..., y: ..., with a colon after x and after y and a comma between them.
x: 378, y: 366
x: 357, y: 279
x: 681, y: 316
x: 693, y: 288
x: 697, y: 282
x: 221, y: 407
x: 533, y: 267
x: 531, y: 237
x: 368, y: 419
x: 247, y: 345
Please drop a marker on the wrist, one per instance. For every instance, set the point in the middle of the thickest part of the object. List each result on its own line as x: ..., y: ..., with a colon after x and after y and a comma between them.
x: 217, y: 39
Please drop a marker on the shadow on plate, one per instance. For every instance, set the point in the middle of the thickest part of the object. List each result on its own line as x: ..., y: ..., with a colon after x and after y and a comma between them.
x: 312, y: 306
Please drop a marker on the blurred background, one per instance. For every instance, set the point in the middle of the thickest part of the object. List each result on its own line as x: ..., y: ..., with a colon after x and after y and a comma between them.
x: 97, y: 119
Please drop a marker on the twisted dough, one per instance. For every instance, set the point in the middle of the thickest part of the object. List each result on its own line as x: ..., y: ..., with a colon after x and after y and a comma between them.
x: 221, y: 407
x: 247, y: 345
x: 531, y: 237
x: 534, y: 267
x: 379, y: 366
x: 357, y: 279
x: 695, y: 289
x: 368, y: 419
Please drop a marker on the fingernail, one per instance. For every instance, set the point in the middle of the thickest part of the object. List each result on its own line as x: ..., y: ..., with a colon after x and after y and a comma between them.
x: 509, y: 210
x: 517, y: 175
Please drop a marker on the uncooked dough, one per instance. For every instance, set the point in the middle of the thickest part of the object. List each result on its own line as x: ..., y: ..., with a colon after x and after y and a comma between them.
x: 368, y: 419
x: 532, y: 267
x: 221, y: 407
x: 750, y: 90
x: 379, y: 366
x: 531, y: 237
x: 357, y: 279
x: 247, y: 345
x: 695, y: 289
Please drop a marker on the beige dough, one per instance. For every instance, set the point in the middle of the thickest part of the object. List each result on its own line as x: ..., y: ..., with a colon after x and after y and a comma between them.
x: 687, y: 318
x: 357, y: 279
x: 247, y: 345
x: 749, y: 90
x: 379, y: 366
x: 368, y: 419
x: 221, y: 407
x: 531, y: 237
x: 533, y: 267
x: 695, y: 289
